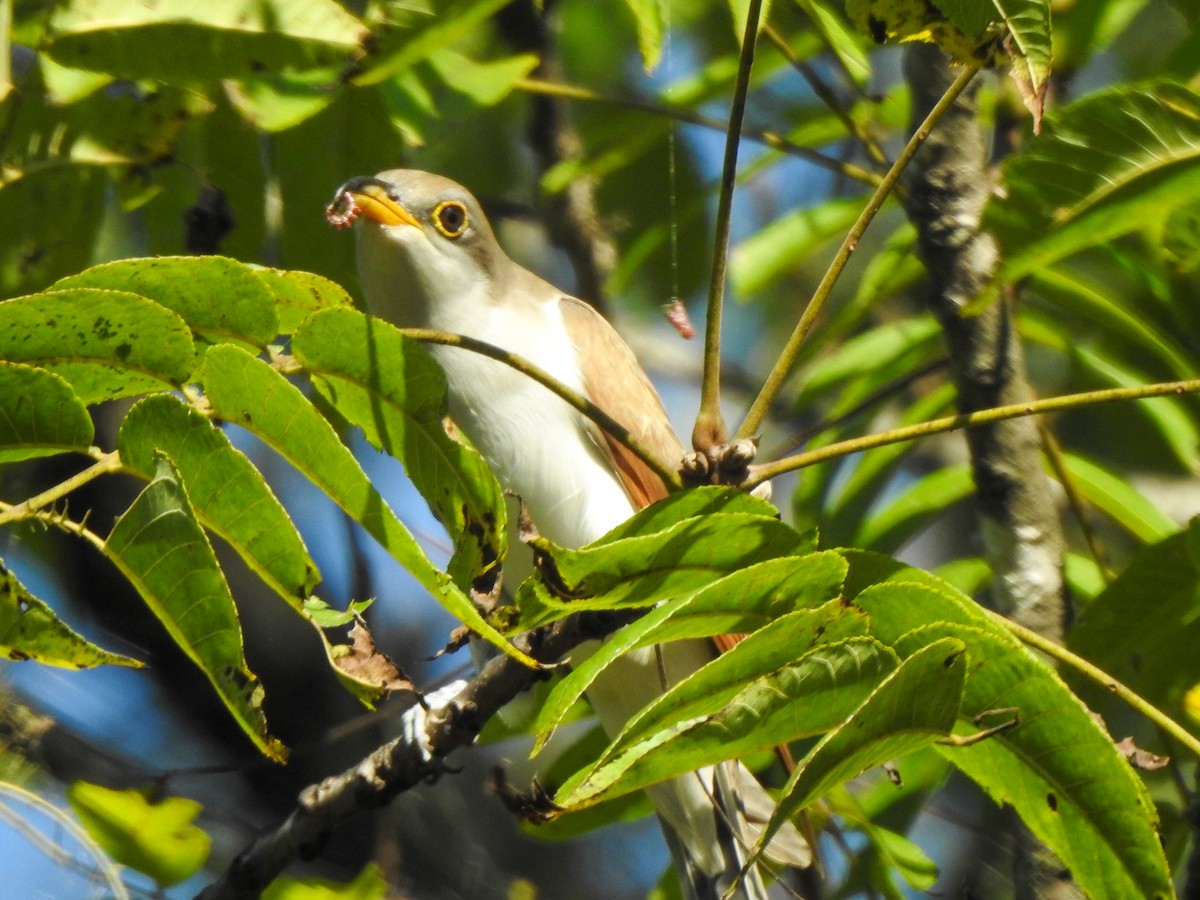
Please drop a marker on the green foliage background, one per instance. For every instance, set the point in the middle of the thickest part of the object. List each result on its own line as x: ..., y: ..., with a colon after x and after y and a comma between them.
x: 157, y: 130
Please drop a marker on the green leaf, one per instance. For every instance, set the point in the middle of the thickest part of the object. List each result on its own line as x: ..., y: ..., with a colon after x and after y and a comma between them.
x: 1119, y: 499
x: 741, y: 602
x: 486, y: 83
x: 161, y: 548
x: 642, y: 570
x: 39, y: 414
x: 783, y: 245
x: 106, y: 344
x: 1104, y: 305
x: 36, y: 249
x: 1142, y: 627
x: 755, y: 696
x: 219, y: 298
x: 1057, y: 768
x: 650, y: 29
x: 181, y: 41
x: 887, y: 530
x: 1028, y: 23
x: 225, y: 489
x: 911, y: 708
x: 405, y: 47
x: 393, y: 390
x: 156, y: 837
x: 1110, y: 163
x: 837, y: 35
x: 29, y: 629
x: 368, y: 885
x: 678, y: 507
x: 247, y: 391
x: 300, y: 294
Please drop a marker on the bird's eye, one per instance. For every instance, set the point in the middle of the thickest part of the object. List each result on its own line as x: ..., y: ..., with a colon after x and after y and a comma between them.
x: 450, y: 219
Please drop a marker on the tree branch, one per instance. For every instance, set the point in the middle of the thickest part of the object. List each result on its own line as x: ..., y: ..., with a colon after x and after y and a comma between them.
x: 416, y: 756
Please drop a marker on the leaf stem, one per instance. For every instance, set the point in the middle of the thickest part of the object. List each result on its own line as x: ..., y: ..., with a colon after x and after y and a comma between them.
x: 105, y: 465
x: 783, y: 366
x: 581, y: 403
x: 826, y: 95
x: 1104, y: 680
x: 759, y: 474
x: 709, y: 430
x: 769, y: 139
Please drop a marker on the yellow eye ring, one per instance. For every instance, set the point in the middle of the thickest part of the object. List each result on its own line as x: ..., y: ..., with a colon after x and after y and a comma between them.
x: 450, y: 219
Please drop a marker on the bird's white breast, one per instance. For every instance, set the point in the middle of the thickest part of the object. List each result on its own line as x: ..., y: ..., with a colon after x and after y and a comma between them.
x: 538, y: 446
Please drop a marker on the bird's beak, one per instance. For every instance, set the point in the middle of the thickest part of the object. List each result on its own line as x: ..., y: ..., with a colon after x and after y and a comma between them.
x: 372, y: 198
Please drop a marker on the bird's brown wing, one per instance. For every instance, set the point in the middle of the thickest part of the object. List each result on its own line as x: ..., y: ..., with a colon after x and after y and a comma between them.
x: 614, y: 381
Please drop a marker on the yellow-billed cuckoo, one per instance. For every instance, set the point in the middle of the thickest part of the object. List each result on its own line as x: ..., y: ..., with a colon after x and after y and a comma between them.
x: 427, y: 258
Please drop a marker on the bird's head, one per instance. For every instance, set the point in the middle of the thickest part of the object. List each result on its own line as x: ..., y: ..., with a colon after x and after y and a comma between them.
x: 424, y: 242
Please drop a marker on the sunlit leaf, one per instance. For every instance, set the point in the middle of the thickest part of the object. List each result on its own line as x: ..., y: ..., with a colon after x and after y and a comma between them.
x: 300, y: 294
x: 29, y: 629
x: 219, y: 298
x: 247, y: 391
x: 156, y: 837
x: 639, y: 571
x: 1119, y: 499
x: 39, y: 414
x: 161, y: 548
x: 369, y: 884
x: 1058, y: 768
x: 107, y: 344
x: 393, y: 390
x: 741, y: 602
x: 227, y: 492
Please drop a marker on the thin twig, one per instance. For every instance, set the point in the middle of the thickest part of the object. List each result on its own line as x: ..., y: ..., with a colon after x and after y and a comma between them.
x: 767, y: 471
x: 689, y: 117
x: 783, y: 366
x: 1102, y: 678
x: 709, y: 430
x: 106, y: 465
x: 826, y: 95
x: 1054, y: 455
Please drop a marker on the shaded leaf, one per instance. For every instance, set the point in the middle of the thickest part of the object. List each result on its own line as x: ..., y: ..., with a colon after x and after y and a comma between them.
x: 29, y: 629
x: 154, y: 837
x: 1143, y: 626
x: 161, y: 548
x: 738, y: 703
x: 741, y: 602
x: 39, y: 414
x: 911, y: 708
x: 1109, y: 164
x: 181, y: 41
x: 650, y: 28
x: 106, y: 344
x: 393, y: 390
x: 36, y: 249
